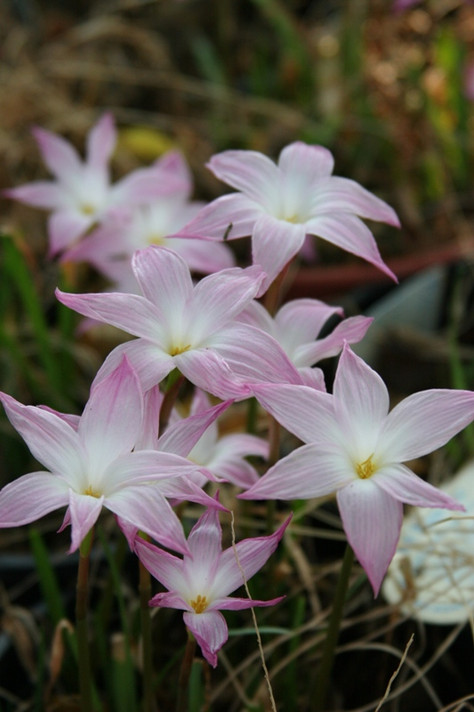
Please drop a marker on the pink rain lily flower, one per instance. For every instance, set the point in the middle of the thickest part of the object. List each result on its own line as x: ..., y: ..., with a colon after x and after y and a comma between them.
x: 279, y: 205
x: 223, y: 456
x: 296, y: 327
x: 188, y: 327
x: 91, y: 465
x: 355, y: 448
x: 201, y: 582
x: 110, y: 247
x: 81, y: 194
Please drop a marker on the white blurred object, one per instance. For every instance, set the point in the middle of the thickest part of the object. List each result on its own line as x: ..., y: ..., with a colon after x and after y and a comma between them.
x: 431, y: 576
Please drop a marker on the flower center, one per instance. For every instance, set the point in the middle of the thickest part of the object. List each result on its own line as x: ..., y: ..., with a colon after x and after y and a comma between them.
x: 366, y: 469
x: 92, y: 492
x: 175, y: 350
x: 156, y: 240
x: 87, y: 209
x: 199, y: 604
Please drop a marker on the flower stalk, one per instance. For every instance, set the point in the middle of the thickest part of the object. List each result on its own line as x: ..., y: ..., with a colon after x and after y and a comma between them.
x: 82, y: 598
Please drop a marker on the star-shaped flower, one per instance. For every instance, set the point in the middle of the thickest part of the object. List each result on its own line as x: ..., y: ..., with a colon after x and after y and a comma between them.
x: 355, y: 448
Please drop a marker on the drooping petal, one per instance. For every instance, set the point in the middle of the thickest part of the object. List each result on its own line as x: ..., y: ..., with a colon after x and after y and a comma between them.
x: 145, y: 507
x: 250, y: 172
x: 165, y: 567
x: 274, y: 243
x: 344, y: 195
x: 305, y: 473
x: 350, y: 330
x: 226, y: 218
x: 50, y: 439
x: 244, y: 560
x: 372, y: 520
x: 233, y: 603
x: 149, y: 361
x: 40, y: 194
x: 351, y: 234
x: 305, y: 412
x: 65, y: 227
x: 180, y: 437
x: 130, y: 312
x: 59, y: 155
x: 112, y: 417
x: 101, y: 142
x: 402, y: 484
x: 83, y: 511
x: 30, y: 497
x: 424, y: 422
x: 210, y: 630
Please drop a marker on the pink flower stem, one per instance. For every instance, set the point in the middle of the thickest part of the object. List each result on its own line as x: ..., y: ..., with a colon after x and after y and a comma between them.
x: 323, y: 675
x: 185, y: 673
x: 82, y: 597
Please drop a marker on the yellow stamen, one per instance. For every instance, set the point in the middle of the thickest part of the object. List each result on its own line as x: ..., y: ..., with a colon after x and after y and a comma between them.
x: 366, y: 469
x: 156, y: 240
x: 200, y: 604
x: 175, y: 350
x: 87, y: 209
x: 92, y: 492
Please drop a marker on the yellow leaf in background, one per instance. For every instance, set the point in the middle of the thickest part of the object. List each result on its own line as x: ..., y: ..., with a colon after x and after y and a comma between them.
x: 144, y: 142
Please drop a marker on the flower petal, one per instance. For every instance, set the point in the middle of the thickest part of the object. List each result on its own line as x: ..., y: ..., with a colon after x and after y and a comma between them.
x: 402, y: 484
x: 338, y: 195
x: 305, y: 412
x: 350, y: 330
x: 41, y: 194
x: 59, y: 155
x: 51, y: 440
x: 424, y: 422
x: 165, y: 280
x: 300, y: 322
x: 65, y: 227
x: 351, y: 234
x: 227, y: 217
x: 145, y: 507
x: 250, y: 172
x: 83, y: 511
x: 150, y: 363
x: 305, y: 164
x: 165, y: 567
x: 130, y: 312
x: 244, y: 560
x: 210, y: 630
x: 208, y: 370
x: 101, y: 142
x: 181, y: 437
x: 233, y: 603
x: 112, y: 417
x: 274, y: 243
x: 305, y: 473
x: 372, y: 520
x: 204, y: 540
x: 30, y: 497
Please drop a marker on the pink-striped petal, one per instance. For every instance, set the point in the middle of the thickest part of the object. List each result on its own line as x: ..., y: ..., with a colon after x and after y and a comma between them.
x: 50, y: 439
x: 208, y: 370
x: 228, y: 217
x: 130, y: 312
x: 204, y: 540
x: 305, y: 165
x: 83, y: 511
x: 31, y: 497
x: 233, y: 603
x: 274, y: 243
x: 351, y: 330
x: 145, y: 507
x: 59, y: 155
x: 210, y: 630
x: 351, y: 234
x: 372, y: 520
x: 180, y: 437
x: 301, y: 320
x: 144, y: 184
x: 305, y: 412
x: 203, y: 256
x: 344, y: 195
x: 165, y: 280
x: 163, y: 566
x: 250, y: 172
x: 424, y: 422
x: 150, y: 363
x: 112, y: 418
x: 248, y: 556
x: 402, y: 484
x: 305, y: 473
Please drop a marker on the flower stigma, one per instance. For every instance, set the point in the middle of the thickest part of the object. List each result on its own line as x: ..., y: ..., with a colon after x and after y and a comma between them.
x: 365, y: 469
x: 199, y: 604
x: 176, y: 350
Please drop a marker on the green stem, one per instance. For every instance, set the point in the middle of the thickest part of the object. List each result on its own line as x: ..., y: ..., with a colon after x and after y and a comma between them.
x: 144, y: 586
x: 185, y: 673
x: 323, y: 674
x: 82, y: 596
x: 175, y: 380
